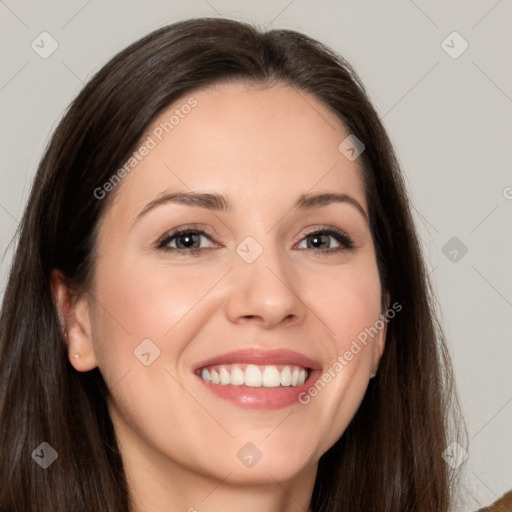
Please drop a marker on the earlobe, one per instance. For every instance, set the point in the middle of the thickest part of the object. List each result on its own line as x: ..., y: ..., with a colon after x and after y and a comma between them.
x: 75, y: 320
x: 380, y: 344
x: 380, y: 341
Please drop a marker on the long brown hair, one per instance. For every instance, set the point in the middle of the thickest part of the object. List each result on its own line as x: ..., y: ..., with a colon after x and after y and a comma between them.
x: 390, y: 456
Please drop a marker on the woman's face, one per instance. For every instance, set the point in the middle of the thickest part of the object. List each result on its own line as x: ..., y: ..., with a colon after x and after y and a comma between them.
x: 271, y: 279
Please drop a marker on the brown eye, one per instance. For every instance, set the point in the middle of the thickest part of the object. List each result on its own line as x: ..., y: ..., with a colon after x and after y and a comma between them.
x: 318, y: 241
x: 186, y: 241
x: 328, y: 240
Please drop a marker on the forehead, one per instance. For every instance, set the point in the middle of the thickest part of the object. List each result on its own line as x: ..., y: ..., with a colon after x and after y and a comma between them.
x: 247, y: 141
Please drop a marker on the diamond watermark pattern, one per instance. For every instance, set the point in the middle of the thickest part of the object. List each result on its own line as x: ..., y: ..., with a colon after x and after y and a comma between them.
x: 146, y: 352
x: 454, y: 45
x: 44, y: 45
x: 351, y: 147
x: 249, y: 249
x: 454, y: 455
x: 45, y: 455
x: 454, y: 249
x: 249, y: 455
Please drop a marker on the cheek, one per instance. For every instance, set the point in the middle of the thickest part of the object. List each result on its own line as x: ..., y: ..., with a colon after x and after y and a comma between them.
x: 152, y: 403
x: 137, y: 301
x: 348, y: 304
x: 347, y: 300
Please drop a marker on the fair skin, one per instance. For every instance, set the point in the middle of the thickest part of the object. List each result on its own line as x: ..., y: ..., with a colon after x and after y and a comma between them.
x: 262, y: 148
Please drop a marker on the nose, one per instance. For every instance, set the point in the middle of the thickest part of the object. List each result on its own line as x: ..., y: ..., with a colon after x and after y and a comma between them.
x: 265, y: 292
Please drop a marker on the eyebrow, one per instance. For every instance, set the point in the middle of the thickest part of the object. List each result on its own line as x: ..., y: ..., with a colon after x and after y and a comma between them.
x: 311, y: 201
x: 218, y: 202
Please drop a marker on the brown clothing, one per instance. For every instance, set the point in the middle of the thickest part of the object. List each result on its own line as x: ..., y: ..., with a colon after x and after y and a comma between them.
x: 504, y: 504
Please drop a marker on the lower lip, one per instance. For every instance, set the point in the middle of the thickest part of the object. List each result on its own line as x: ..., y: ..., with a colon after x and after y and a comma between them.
x: 262, y: 398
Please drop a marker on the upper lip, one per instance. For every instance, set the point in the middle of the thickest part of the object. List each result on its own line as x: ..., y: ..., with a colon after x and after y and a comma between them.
x: 262, y: 357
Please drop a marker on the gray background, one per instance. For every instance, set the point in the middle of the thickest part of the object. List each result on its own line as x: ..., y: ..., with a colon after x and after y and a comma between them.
x: 449, y: 118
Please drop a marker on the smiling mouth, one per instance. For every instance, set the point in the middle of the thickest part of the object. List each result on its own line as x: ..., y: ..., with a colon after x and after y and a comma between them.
x: 255, y: 376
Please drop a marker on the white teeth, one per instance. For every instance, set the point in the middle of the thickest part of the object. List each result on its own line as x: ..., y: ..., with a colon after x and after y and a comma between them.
x: 224, y: 376
x: 268, y: 376
x: 286, y: 376
x: 237, y: 376
x: 253, y: 377
x: 271, y: 377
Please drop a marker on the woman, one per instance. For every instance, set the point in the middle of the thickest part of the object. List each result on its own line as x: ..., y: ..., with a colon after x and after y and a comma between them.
x: 218, y: 299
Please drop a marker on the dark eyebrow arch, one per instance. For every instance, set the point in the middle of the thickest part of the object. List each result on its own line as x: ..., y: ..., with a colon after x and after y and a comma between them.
x: 310, y: 201
x: 218, y: 202
x: 215, y: 202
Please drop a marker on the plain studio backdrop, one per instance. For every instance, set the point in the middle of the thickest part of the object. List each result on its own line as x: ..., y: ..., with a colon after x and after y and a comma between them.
x: 440, y: 76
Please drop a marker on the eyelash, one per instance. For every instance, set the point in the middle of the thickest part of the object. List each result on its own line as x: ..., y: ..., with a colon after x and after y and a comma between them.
x: 162, y: 244
x: 346, y: 243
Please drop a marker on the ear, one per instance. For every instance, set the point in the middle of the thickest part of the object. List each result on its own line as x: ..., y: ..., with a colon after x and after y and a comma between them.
x: 75, y: 320
x: 378, y: 346
x: 379, y: 342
